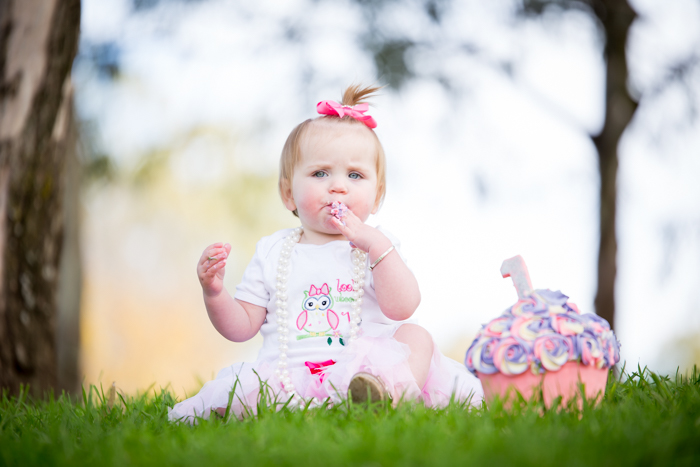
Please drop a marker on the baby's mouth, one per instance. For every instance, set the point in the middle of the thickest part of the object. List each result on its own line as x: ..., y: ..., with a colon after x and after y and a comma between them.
x: 330, y: 203
x: 339, y: 210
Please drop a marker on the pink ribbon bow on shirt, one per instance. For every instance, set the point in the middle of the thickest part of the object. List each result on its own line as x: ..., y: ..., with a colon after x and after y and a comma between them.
x: 356, y: 111
x: 319, y: 368
x: 323, y: 290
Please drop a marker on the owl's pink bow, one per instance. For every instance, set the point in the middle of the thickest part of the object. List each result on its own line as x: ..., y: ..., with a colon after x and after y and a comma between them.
x: 357, y: 111
x: 323, y: 290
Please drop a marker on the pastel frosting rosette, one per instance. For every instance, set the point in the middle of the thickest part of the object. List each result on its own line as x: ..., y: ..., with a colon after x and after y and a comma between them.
x: 543, y: 334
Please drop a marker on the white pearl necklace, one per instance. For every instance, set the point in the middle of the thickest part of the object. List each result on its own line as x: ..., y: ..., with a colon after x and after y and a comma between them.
x: 359, y: 261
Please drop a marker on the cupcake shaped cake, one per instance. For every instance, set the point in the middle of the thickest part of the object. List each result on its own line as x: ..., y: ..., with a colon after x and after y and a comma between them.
x: 542, y: 341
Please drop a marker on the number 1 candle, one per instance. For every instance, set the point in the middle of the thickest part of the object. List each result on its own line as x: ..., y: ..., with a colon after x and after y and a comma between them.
x: 516, y: 269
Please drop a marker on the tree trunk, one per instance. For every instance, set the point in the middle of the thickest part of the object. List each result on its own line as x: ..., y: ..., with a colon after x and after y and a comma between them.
x: 70, y: 277
x: 38, y: 42
x: 616, y: 17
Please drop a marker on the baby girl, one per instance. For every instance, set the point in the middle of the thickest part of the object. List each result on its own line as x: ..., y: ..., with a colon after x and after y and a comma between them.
x: 331, y: 297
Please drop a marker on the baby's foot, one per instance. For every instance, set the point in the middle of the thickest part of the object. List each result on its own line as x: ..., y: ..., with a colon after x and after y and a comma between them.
x: 339, y: 210
x: 366, y: 387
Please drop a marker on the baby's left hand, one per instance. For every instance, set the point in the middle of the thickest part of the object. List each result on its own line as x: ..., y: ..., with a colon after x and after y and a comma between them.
x: 360, y: 234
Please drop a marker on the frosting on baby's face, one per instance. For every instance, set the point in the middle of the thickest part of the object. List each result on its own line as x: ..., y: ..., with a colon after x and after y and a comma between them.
x: 339, y: 210
x: 542, y: 333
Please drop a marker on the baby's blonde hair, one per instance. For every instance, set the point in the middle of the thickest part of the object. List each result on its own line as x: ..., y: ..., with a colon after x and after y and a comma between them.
x: 291, y: 152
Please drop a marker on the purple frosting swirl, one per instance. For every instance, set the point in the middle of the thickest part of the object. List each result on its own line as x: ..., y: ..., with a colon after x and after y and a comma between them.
x: 590, y: 349
x: 535, y: 304
x: 512, y: 356
x: 552, y: 351
x: 553, y: 298
x: 480, y: 355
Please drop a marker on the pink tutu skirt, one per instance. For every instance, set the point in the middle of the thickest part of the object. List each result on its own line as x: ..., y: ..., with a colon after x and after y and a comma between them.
x: 375, y: 352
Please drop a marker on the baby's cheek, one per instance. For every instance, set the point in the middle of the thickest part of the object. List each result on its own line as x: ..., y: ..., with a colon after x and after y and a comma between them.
x: 362, y: 210
x: 308, y: 203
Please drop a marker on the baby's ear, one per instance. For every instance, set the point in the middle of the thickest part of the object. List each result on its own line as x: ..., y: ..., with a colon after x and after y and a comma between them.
x: 286, y: 195
x: 377, y: 203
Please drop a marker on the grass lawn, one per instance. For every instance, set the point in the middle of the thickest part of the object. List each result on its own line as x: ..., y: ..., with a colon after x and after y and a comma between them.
x: 643, y: 420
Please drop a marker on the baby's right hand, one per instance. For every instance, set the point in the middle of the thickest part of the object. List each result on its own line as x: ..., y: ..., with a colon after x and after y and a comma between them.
x: 211, y: 268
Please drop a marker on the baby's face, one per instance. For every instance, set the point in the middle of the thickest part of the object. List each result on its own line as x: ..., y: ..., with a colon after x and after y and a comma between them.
x: 338, y: 163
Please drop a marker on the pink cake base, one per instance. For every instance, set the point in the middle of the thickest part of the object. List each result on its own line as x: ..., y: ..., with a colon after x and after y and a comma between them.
x: 562, y: 383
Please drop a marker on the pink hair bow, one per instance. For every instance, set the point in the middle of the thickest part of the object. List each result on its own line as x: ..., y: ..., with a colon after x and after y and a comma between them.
x: 356, y: 111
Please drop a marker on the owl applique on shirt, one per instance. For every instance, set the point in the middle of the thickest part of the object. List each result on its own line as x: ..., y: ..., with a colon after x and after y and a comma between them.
x: 317, y: 318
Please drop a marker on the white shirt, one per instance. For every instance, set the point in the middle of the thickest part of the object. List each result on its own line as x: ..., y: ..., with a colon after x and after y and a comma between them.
x: 319, y: 291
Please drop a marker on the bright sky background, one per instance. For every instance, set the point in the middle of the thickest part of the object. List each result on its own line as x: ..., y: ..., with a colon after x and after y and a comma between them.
x: 500, y: 167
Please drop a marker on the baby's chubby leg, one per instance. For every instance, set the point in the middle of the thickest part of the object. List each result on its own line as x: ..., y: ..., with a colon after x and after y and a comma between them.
x: 421, y: 344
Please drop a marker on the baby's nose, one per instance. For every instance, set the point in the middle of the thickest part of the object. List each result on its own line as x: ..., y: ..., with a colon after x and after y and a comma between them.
x: 338, y: 186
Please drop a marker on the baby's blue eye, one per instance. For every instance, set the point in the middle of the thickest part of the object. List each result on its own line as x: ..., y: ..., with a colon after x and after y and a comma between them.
x: 319, y: 174
x: 355, y: 176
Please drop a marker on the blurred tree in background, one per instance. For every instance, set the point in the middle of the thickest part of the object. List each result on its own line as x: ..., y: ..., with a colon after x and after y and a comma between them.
x: 613, y: 19
x: 38, y: 42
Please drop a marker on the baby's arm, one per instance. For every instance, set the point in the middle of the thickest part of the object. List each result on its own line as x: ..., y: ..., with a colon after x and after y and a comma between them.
x: 395, y: 285
x: 236, y: 320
